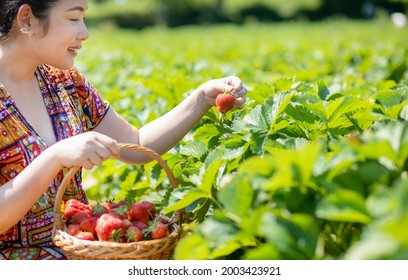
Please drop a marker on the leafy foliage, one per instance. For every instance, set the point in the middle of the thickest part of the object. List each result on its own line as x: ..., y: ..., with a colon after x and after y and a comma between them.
x: 314, y: 166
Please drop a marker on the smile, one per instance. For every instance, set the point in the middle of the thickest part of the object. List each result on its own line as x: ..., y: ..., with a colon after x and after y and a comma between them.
x: 74, y: 51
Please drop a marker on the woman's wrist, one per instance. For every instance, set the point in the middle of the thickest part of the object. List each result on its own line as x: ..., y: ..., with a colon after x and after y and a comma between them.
x: 53, y: 153
x: 202, y: 98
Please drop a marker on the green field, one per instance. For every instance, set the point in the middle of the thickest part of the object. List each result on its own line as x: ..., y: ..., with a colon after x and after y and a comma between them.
x: 230, y: 6
x: 316, y: 161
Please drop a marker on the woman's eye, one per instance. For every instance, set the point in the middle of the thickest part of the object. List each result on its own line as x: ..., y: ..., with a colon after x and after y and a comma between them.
x: 78, y: 19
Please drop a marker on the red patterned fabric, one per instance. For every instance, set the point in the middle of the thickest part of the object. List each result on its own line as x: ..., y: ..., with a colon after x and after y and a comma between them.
x: 74, y: 107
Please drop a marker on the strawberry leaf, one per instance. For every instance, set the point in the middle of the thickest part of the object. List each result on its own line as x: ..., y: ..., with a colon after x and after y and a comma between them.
x: 343, y: 206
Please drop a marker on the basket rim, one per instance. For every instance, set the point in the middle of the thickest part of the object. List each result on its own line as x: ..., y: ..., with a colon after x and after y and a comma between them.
x: 98, y: 243
x: 75, y: 248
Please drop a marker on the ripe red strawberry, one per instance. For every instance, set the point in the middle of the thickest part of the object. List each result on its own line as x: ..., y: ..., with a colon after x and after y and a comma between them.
x: 73, y: 206
x: 160, y: 230
x: 84, y: 235
x: 133, y: 234
x: 73, y: 229
x: 225, y: 101
x: 106, y: 225
x: 89, y: 224
x: 150, y: 207
x: 138, y: 212
x: 80, y: 216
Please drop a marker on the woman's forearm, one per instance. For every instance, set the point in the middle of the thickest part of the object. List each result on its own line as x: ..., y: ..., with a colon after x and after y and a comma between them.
x: 20, y: 194
x: 165, y: 132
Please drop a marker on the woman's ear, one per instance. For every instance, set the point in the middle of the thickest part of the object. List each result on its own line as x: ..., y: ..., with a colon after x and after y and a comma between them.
x: 26, y: 21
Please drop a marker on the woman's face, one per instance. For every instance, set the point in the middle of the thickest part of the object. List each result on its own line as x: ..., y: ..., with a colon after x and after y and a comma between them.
x: 65, y: 34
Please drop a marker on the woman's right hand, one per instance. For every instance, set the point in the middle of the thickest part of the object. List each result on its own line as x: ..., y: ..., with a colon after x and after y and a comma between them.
x: 87, y: 150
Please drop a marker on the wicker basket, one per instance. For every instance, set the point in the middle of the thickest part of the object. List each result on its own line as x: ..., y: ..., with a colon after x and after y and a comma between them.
x: 74, y: 248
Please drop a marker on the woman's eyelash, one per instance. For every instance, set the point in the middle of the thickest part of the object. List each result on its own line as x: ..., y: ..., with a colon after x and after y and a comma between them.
x: 77, y: 19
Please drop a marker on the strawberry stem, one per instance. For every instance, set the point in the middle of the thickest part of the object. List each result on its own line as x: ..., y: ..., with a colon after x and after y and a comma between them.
x: 221, y: 122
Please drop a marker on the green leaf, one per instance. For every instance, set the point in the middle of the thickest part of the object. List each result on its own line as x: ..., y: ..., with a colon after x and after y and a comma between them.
x: 262, y: 91
x: 339, y: 161
x: 283, y: 84
x: 382, y: 202
x: 398, y: 229
x: 344, y: 105
x: 234, y: 148
x: 377, y: 150
x: 237, y: 197
x: 280, y: 101
x: 130, y: 180
x: 194, y: 148
x: 221, y: 235
x: 210, y: 176
x: 295, y: 167
x: 391, y: 141
x: 343, y: 206
x: 254, y: 119
x: 260, y: 138
x: 200, y: 212
x: 301, y: 113
x: 294, y: 235
x: 262, y: 252
x: 206, y: 132
x: 388, y: 98
x: 187, y: 198
x: 317, y: 109
x: 399, y: 71
x: 322, y: 90
x: 374, y: 246
x: 258, y: 166
x: 294, y: 131
x: 192, y: 248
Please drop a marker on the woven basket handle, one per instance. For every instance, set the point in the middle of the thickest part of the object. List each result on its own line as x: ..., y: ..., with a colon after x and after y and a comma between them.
x: 58, y: 220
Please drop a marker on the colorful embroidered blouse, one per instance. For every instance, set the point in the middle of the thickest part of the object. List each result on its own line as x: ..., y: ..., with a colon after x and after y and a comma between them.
x: 74, y: 107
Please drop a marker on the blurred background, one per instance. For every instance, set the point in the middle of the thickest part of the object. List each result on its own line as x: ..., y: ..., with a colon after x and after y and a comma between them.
x: 142, y: 13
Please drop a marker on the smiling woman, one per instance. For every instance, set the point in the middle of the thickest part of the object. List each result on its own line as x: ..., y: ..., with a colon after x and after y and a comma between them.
x: 52, y: 119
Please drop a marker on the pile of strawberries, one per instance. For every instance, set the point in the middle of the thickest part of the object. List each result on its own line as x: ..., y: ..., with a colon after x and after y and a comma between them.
x: 118, y: 222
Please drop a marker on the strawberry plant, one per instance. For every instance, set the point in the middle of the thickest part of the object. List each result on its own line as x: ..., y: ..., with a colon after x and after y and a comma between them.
x: 313, y: 167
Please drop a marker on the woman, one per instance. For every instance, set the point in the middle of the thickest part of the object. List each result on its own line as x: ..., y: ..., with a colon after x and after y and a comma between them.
x: 52, y: 118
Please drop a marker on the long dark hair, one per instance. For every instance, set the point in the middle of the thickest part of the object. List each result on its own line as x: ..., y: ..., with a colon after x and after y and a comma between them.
x: 9, y: 10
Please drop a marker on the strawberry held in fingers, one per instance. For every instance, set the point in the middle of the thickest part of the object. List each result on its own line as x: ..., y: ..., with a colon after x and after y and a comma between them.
x: 225, y: 101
